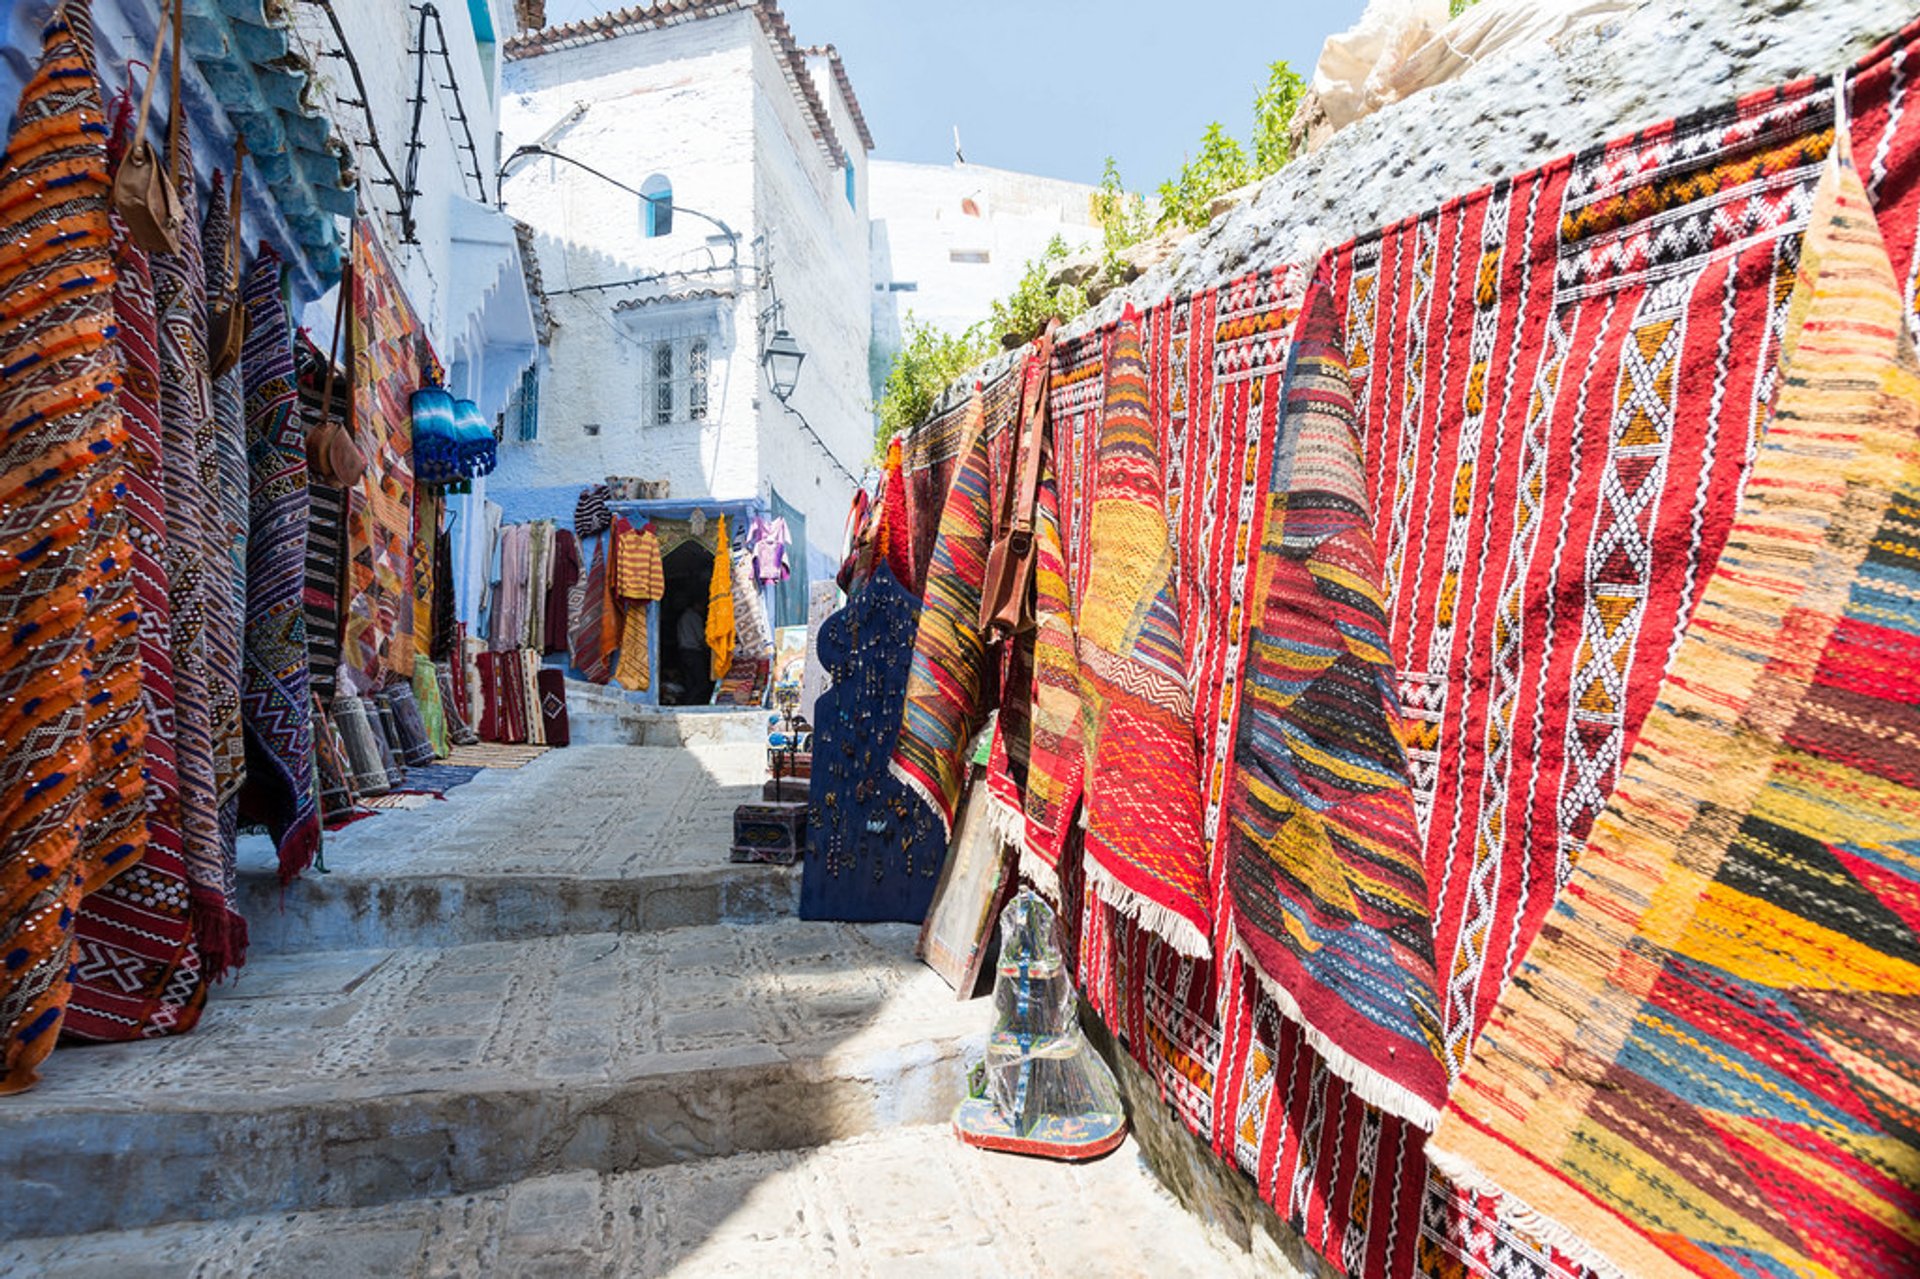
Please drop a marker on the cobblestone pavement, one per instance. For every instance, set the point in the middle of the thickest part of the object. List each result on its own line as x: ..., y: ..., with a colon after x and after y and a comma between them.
x: 328, y: 1025
x: 586, y: 811
x: 911, y: 1202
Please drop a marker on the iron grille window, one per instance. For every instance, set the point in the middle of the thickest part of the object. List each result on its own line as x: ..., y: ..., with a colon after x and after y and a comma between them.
x: 678, y: 372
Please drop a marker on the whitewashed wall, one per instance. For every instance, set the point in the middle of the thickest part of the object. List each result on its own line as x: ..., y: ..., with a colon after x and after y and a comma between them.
x: 920, y: 228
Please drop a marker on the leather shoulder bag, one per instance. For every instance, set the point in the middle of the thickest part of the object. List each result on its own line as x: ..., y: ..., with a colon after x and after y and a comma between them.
x: 1006, y: 596
x: 146, y: 194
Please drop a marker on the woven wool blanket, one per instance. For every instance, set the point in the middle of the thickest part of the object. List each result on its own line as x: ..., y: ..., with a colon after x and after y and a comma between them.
x: 387, y: 361
x: 427, y: 537
x: 1324, y: 871
x: 1145, y: 854
x: 1707, y: 1063
x: 198, y: 581
x: 276, y: 699
x: 588, y: 653
x: 62, y: 460
x: 930, y: 456
x: 947, y: 699
x: 136, y: 972
x: 223, y: 468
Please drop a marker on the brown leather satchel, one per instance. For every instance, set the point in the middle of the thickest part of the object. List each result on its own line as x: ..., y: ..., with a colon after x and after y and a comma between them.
x: 146, y: 194
x: 1006, y: 596
x: 227, y: 321
x: 333, y: 454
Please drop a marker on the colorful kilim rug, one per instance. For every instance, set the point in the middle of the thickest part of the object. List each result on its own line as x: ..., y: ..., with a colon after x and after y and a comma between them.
x: 331, y: 763
x: 223, y: 468
x: 136, y: 971
x: 930, y: 457
x: 326, y: 538
x: 433, y: 713
x: 589, y: 655
x: 387, y: 360
x: 1707, y: 1063
x: 62, y: 458
x: 947, y: 701
x: 275, y: 696
x: 197, y: 580
x: 438, y: 779
x: 1325, y: 875
x: 1145, y: 855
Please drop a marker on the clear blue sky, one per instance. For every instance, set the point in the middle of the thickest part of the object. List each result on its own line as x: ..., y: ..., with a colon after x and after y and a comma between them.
x: 1054, y: 86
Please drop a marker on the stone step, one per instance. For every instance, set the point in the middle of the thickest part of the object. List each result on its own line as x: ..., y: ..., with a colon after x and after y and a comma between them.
x: 909, y: 1201
x: 581, y: 840
x: 604, y: 715
x: 352, y: 1078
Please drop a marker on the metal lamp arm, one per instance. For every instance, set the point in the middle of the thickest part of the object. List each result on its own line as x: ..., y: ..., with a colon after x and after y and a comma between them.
x: 520, y: 153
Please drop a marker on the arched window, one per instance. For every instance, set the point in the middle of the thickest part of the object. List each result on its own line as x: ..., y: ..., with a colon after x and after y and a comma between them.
x: 659, y: 211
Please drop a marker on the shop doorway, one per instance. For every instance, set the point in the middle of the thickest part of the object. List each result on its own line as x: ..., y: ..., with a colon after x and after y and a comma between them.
x: 686, y: 661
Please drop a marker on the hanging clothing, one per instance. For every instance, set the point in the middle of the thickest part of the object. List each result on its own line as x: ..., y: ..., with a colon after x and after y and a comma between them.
x: 639, y: 578
x: 589, y: 654
x: 560, y: 584
x: 720, y: 624
x: 767, y: 543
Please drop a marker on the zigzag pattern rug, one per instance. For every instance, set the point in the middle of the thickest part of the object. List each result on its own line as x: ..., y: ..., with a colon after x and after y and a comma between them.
x: 275, y: 696
x: 1145, y: 854
x: 1707, y: 1063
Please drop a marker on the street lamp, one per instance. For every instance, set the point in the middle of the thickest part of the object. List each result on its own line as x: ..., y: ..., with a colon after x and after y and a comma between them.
x: 782, y: 360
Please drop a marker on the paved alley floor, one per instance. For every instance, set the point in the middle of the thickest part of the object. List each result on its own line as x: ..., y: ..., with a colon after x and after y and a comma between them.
x: 910, y: 1202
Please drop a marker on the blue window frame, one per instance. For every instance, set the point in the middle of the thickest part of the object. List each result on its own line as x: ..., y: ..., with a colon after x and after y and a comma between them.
x: 659, y: 200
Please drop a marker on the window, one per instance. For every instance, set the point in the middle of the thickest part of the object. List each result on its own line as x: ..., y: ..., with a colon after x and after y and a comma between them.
x: 697, y: 380
x: 658, y: 213
x: 852, y: 200
x: 678, y: 370
x: 972, y: 257
x: 662, y: 383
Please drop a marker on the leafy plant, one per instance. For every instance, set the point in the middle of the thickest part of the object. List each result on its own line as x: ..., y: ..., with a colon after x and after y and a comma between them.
x: 1272, y: 114
x: 1025, y: 310
x: 1220, y: 166
x: 928, y: 362
x: 1122, y: 218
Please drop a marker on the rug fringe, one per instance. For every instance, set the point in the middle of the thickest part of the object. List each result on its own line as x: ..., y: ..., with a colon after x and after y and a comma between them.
x: 926, y: 797
x: 1010, y: 824
x: 1368, y: 1084
x: 298, y: 848
x: 1467, y: 1175
x: 1169, y: 925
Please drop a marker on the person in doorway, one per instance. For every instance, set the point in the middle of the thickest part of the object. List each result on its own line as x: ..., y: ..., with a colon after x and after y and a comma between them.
x: 690, y: 656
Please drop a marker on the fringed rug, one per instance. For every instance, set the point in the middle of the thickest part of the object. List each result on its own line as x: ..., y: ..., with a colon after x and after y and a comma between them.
x: 61, y: 462
x: 438, y: 779
x: 493, y: 755
x: 275, y: 698
x: 136, y: 971
x: 1707, y: 1064
x: 947, y: 698
x: 1324, y: 869
x: 1145, y: 854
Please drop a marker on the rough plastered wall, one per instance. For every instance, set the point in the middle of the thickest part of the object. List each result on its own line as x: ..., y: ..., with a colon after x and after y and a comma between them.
x: 819, y: 268
x: 676, y: 102
x: 1666, y: 59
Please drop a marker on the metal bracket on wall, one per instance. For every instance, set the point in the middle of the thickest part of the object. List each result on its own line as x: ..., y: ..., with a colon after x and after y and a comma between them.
x: 344, y: 52
x: 414, y: 142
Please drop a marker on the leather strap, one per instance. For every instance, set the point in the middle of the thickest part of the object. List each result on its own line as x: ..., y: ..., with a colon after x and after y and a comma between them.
x: 339, y: 322
x: 153, y: 74
x: 1033, y: 424
x: 174, y: 109
x: 233, y: 237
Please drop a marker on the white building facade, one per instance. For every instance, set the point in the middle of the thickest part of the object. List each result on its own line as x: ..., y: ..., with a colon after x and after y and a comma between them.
x: 947, y: 240
x: 713, y: 188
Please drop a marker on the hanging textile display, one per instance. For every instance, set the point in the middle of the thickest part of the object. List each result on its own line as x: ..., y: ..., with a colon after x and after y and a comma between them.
x: 387, y: 366
x: 752, y: 631
x: 720, y: 622
x: 136, y: 971
x: 1709, y: 1053
x: 1036, y: 810
x: 1144, y: 852
x: 588, y: 654
x: 428, y: 515
x: 332, y: 768
x: 459, y: 731
x: 947, y: 697
x: 275, y: 697
x: 513, y: 587
x: 326, y: 538
x: 930, y: 457
x: 223, y: 468
x: 550, y: 687
x: 639, y: 577
x: 564, y: 577
x: 874, y: 851
x: 199, y: 582
x: 61, y: 467
x: 532, y: 631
